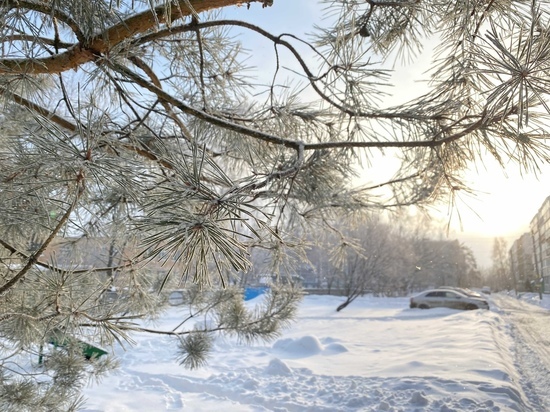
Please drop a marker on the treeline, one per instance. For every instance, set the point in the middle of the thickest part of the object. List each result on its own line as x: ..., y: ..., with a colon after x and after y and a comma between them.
x: 385, y: 256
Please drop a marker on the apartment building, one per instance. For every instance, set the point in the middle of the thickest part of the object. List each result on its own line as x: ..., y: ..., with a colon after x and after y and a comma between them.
x: 540, y: 233
x: 522, y: 263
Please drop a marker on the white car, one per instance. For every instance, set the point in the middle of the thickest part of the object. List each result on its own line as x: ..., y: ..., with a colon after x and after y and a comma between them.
x: 446, y: 298
x: 486, y: 290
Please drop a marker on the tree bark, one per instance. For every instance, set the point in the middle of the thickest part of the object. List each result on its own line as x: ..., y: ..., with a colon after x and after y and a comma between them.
x: 101, y: 43
x: 344, y: 305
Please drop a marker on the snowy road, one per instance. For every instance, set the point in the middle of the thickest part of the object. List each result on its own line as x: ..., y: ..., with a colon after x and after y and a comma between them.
x: 530, y: 328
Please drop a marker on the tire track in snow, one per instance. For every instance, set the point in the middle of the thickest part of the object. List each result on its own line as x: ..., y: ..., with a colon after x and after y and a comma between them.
x: 529, y: 326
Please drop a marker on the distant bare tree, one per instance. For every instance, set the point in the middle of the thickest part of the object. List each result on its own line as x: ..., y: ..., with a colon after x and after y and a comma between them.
x: 442, y: 263
x: 500, y: 274
x: 364, y: 258
x: 469, y: 275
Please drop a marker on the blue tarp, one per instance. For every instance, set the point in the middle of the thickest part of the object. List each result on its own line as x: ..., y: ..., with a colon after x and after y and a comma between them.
x: 253, y: 292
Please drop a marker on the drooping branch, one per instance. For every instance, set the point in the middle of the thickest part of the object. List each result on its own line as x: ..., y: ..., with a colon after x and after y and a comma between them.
x: 444, y: 136
x: 47, y: 9
x: 48, y: 114
x: 32, y: 259
x: 71, y: 127
x: 297, y: 145
x: 43, y: 40
x: 200, y: 114
x: 154, y: 78
x: 14, y: 251
x: 278, y: 40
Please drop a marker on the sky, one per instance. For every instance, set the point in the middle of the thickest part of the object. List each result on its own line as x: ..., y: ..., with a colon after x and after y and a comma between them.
x: 503, y: 207
x: 376, y: 355
x: 505, y: 201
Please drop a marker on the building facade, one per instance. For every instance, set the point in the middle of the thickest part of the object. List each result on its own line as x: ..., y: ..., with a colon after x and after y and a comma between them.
x: 540, y: 233
x: 522, y: 264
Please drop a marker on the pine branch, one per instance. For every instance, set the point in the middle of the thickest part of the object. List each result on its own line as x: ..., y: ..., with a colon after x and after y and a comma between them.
x: 91, y: 50
x: 31, y: 261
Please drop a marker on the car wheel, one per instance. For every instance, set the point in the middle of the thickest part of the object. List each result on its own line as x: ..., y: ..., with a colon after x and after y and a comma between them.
x: 471, y: 307
x: 423, y: 306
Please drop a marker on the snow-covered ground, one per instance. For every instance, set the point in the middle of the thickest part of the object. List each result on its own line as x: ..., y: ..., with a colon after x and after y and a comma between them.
x: 375, y: 355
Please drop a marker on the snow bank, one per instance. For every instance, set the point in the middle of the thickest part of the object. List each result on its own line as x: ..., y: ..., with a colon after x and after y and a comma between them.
x: 376, y: 355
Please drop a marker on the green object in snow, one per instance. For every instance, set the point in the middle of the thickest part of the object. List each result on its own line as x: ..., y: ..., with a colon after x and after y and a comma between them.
x: 89, y: 351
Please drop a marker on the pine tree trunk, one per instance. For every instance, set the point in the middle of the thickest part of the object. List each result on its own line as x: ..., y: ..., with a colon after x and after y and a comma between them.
x: 88, y: 50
